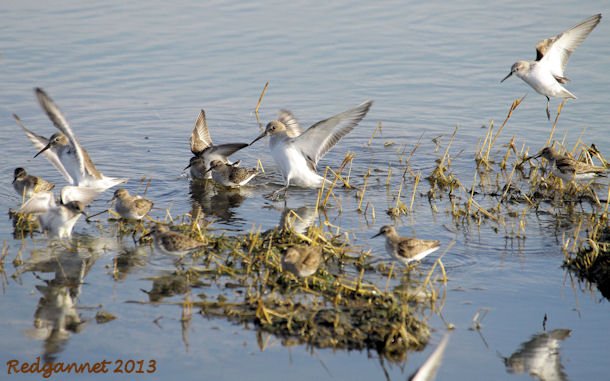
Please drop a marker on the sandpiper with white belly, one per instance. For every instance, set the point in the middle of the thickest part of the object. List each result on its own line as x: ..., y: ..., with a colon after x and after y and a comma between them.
x: 297, y: 153
x: 546, y: 73
x: 64, y: 151
x: 406, y: 249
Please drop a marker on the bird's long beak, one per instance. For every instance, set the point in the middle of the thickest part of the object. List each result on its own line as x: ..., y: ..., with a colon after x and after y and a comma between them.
x: 504, y: 79
x: 14, y: 179
x: 259, y: 137
x: 377, y: 235
x: 44, y: 149
x: 188, y: 166
x: 207, y: 170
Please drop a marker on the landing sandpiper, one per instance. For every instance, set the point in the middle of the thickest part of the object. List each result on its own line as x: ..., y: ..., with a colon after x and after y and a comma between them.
x: 297, y: 153
x: 205, y: 151
x: 546, y: 73
x: 64, y: 151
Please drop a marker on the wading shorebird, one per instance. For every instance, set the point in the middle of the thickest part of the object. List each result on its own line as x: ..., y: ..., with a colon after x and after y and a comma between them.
x: 406, y: 249
x: 57, y: 219
x: 171, y: 242
x: 205, y: 151
x: 26, y: 185
x: 569, y: 169
x: 131, y: 207
x: 302, y: 260
x: 64, y: 151
x: 229, y: 175
x: 297, y: 153
x: 546, y: 73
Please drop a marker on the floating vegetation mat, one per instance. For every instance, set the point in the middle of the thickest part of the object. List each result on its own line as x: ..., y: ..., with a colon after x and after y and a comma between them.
x: 240, y: 278
x: 591, y: 260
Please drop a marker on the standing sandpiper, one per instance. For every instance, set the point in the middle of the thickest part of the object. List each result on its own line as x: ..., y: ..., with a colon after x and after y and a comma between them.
x: 26, y: 185
x: 297, y: 153
x: 302, y: 260
x: 131, y: 207
x: 64, y: 151
x: 406, y: 249
x: 173, y: 243
x: 229, y: 175
x: 569, y: 169
x: 205, y: 151
x: 546, y: 73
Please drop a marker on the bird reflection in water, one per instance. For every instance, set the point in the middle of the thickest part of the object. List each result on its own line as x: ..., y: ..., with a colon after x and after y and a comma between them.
x: 539, y: 357
x: 56, y: 316
x: 214, y: 201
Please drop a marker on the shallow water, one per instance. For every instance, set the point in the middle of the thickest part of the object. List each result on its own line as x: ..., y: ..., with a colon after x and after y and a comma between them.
x: 131, y: 78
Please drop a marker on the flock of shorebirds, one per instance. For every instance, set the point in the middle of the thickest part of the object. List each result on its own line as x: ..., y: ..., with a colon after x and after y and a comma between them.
x: 295, y: 151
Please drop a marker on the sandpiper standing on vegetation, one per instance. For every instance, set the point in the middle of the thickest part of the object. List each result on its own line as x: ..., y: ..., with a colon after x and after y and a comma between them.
x: 569, y: 169
x: 297, y: 153
x: 131, y: 207
x: 406, y: 249
x: 205, y: 151
x: 229, y: 175
x: 546, y: 73
x: 64, y: 151
x: 26, y: 185
x: 173, y: 243
x: 302, y: 260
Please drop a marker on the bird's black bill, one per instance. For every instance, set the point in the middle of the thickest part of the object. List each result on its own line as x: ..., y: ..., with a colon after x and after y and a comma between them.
x: 44, y: 149
x: 377, y: 235
x: 259, y: 137
x: 505, y: 78
x: 188, y: 166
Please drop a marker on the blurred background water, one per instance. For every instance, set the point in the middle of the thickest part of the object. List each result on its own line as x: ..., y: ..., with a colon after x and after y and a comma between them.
x: 132, y: 76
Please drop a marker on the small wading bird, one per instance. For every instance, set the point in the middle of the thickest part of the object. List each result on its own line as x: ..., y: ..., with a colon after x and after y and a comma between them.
x: 131, y: 207
x: 546, y: 73
x: 205, y: 151
x: 26, y: 185
x: 302, y: 260
x: 229, y: 175
x: 59, y: 217
x: 64, y: 151
x: 297, y: 153
x: 406, y: 249
x: 173, y: 243
x: 569, y: 169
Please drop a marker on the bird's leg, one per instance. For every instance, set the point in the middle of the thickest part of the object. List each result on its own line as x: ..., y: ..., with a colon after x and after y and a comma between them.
x: 276, y: 195
x: 548, y: 113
